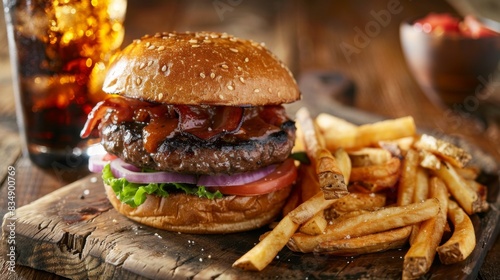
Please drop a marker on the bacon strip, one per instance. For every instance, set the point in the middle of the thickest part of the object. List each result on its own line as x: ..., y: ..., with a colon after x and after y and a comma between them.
x: 208, y: 123
x: 204, y: 122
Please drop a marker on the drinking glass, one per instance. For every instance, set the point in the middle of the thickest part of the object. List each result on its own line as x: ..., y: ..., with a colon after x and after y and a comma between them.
x: 58, y: 51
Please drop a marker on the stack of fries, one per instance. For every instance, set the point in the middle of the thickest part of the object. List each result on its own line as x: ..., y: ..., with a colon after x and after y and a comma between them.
x: 376, y: 187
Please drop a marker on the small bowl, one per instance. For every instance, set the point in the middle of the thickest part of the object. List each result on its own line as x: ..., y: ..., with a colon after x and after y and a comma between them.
x: 449, y: 68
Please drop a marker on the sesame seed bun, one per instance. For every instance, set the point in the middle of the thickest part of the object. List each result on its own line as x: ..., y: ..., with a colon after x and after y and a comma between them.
x: 200, y: 68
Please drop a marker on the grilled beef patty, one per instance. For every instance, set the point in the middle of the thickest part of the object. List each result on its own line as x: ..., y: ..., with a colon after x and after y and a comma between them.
x: 186, y: 154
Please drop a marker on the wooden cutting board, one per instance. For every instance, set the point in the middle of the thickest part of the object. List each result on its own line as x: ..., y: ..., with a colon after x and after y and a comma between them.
x: 74, y: 232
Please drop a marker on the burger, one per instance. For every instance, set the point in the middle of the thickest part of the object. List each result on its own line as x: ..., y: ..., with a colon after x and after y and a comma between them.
x: 195, y: 131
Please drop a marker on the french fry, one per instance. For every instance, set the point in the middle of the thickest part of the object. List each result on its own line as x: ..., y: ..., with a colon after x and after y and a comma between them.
x: 421, y: 185
x: 458, y: 188
x: 315, y: 225
x: 369, y: 156
x: 370, y: 134
x: 359, y: 201
x: 327, y: 122
x: 418, y: 259
x: 339, y: 131
x: 421, y: 194
x: 371, y: 243
x: 429, y: 160
x: 481, y: 191
x: 408, y: 179
x: 463, y: 240
x: 401, y: 144
x: 330, y: 177
x: 309, y: 208
x: 451, y: 153
x: 344, y: 163
x: 380, y: 220
x: 264, y: 252
x: 377, y: 177
x: 469, y: 172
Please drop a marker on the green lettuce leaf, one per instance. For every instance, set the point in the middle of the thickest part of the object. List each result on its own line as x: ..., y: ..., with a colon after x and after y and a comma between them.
x: 134, y: 194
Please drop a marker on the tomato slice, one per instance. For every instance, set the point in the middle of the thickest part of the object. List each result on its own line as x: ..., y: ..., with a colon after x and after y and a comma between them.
x: 283, y: 176
x: 109, y: 157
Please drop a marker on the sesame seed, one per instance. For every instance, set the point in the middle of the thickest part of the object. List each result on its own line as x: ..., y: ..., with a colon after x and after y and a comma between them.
x: 138, y: 81
x: 239, y: 68
x: 152, y: 47
x: 242, y: 80
x: 160, y: 95
x: 270, y: 90
x: 230, y: 87
x: 246, y: 59
x: 157, y: 35
x: 150, y: 63
x: 256, y: 90
x: 148, y: 44
x: 195, y: 46
x: 221, y: 96
x: 232, y: 39
x: 202, y: 75
x: 233, y: 50
x: 207, y: 41
x: 142, y: 65
x: 212, y: 75
x: 224, y: 66
x: 161, y: 48
x: 193, y: 41
x: 164, y: 68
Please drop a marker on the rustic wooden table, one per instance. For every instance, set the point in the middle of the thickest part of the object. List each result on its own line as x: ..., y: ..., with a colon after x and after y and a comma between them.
x: 307, y: 36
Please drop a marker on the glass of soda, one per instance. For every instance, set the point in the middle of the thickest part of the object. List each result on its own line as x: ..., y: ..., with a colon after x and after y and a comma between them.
x: 59, y: 50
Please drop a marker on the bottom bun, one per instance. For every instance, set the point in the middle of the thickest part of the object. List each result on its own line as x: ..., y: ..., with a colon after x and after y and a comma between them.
x: 192, y: 214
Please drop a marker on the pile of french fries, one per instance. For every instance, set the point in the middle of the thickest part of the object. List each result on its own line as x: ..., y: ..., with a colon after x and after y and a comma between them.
x: 376, y: 187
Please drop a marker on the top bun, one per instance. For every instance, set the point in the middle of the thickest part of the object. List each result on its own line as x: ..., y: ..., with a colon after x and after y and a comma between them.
x: 200, y: 68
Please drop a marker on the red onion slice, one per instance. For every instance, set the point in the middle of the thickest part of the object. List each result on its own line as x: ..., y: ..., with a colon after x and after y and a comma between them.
x: 132, y: 174
x: 97, y: 163
x: 235, y: 179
